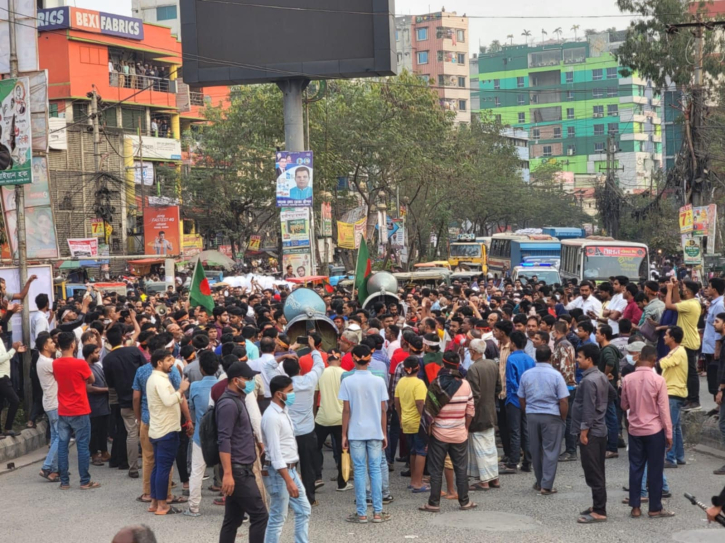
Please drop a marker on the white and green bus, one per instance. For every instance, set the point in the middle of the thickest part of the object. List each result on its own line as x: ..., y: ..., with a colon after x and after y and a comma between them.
x: 597, y: 258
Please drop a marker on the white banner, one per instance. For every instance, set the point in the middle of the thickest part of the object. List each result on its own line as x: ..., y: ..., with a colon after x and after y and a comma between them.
x: 80, y: 247
x: 57, y: 135
x: 143, y: 172
x: 156, y: 148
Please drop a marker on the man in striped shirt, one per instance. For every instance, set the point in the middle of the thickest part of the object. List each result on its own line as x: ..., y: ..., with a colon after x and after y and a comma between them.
x: 449, y: 433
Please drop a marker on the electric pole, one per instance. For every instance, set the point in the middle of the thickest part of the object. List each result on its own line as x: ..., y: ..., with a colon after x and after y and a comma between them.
x: 608, y: 198
x: 22, y: 241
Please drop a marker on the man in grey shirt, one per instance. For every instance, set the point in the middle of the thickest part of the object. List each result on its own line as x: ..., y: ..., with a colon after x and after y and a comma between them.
x: 588, y: 413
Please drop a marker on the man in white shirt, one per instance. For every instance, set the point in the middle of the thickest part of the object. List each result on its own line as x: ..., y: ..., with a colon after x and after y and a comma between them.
x: 39, y: 319
x: 46, y: 347
x: 282, y: 481
x: 268, y: 368
x: 591, y: 307
x: 617, y: 304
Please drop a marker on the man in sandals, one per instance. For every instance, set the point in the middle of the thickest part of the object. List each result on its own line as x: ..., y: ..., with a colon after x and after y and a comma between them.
x: 644, y: 393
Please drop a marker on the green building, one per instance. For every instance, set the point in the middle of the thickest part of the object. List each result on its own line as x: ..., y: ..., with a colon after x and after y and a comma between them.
x: 570, y: 96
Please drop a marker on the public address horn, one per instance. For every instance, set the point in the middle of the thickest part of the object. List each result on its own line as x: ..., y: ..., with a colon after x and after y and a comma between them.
x: 382, y: 287
x: 305, y: 313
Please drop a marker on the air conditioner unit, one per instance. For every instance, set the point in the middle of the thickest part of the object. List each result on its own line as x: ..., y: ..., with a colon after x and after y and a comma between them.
x: 615, y: 114
x: 570, y: 152
x: 598, y: 115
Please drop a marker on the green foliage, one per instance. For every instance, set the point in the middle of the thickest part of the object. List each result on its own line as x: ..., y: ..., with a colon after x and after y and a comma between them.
x: 659, y: 228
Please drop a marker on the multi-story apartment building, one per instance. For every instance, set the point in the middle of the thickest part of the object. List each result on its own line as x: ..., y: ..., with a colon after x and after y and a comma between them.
x: 570, y: 96
x: 437, y: 44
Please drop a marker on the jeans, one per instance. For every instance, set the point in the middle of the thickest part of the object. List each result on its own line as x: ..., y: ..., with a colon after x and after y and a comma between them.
x: 394, y: 433
x: 592, y: 458
x: 458, y: 452
x: 7, y: 392
x: 165, y: 449
x: 51, y: 460
x: 309, y: 457
x: 519, y: 436
x: 198, y: 467
x: 279, y: 503
x: 336, y: 433
x: 365, y: 455
x: 503, y: 427
x: 665, y: 484
x: 693, y: 378
x: 569, y: 438
x: 677, y: 452
x: 646, y: 451
x: 131, y: 425
x: 384, y: 476
x: 148, y: 460
x: 245, y: 498
x: 81, y: 425
x: 612, y: 427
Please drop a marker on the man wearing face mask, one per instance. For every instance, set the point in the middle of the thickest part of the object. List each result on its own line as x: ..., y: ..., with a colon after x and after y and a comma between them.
x: 237, y: 453
x: 284, y: 485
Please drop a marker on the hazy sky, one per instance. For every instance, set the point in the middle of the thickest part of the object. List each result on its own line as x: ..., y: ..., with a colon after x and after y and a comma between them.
x: 494, y: 19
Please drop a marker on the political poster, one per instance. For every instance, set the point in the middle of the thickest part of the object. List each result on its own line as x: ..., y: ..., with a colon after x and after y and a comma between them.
x: 83, y: 247
x: 161, y: 231
x: 345, y: 235
x: 37, y: 193
x: 96, y: 227
x: 295, y: 227
x: 326, y: 214
x: 254, y: 243
x: 301, y: 262
x: 15, y: 132
x: 39, y: 232
x: 294, y: 172
x: 686, y: 219
x: 712, y: 230
x: 692, y: 250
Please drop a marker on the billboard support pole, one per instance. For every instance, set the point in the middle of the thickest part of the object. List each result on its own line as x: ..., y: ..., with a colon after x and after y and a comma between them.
x: 294, y: 137
x: 22, y: 243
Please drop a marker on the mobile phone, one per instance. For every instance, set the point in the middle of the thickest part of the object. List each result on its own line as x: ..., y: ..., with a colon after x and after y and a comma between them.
x: 303, y: 340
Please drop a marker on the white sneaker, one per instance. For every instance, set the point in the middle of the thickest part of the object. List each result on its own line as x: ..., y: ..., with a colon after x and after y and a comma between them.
x: 347, y: 486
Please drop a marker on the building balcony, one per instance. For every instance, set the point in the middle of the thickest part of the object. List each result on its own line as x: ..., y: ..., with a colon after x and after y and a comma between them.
x: 643, y: 100
x: 637, y: 136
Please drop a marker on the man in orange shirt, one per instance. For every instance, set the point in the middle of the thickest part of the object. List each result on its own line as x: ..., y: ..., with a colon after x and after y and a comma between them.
x: 305, y: 361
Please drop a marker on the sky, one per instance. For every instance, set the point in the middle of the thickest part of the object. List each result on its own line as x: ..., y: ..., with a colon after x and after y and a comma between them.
x: 494, y: 20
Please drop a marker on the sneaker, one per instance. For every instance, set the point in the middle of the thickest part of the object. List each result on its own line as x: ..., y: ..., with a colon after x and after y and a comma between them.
x: 190, y: 513
x: 567, y: 457
x: 670, y: 465
x: 133, y: 474
x: 347, y: 487
x: 319, y: 483
x: 314, y: 503
x: 526, y: 468
x: 692, y: 406
x: 666, y: 494
x: 405, y: 473
x: 620, y: 443
x: 720, y: 471
x: 9, y: 433
x: 507, y: 471
x: 681, y: 463
x: 387, y: 500
x: 611, y: 454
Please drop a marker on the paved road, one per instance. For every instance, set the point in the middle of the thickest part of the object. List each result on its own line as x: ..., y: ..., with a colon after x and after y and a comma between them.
x: 34, y: 510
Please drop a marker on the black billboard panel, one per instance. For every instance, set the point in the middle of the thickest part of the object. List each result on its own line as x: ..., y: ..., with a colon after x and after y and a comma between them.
x: 230, y: 42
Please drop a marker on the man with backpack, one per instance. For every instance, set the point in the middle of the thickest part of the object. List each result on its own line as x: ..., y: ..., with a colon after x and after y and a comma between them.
x: 237, y: 454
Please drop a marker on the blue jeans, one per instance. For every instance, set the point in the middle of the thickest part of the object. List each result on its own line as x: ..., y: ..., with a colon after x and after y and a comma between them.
x: 81, y: 425
x: 366, y: 455
x: 612, y: 427
x: 165, y: 449
x: 665, y: 485
x: 721, y: 422
x: 51, y: 460
x: 677, y: 452
x: 279, y: 503
x: 384, y: 476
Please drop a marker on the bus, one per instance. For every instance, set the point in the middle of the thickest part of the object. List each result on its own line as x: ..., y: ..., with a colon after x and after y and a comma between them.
x: 509, y: 250
x: 562, y: 233
x: 597, y: 258
x: 468, y: 251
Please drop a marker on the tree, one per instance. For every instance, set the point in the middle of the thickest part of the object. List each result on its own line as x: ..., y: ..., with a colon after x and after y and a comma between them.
x: 543, y: 33
x: 526, y: 34
x: 575, y: 28
x: 510, y: 37
x: 495, y: 46
x: 558, y: 33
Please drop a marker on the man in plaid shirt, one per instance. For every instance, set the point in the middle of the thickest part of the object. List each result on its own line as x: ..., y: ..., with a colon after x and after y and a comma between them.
x: 564, y: 360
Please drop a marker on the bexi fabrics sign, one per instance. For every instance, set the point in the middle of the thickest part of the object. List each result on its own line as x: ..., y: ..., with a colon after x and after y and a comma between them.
x: 90, y: 21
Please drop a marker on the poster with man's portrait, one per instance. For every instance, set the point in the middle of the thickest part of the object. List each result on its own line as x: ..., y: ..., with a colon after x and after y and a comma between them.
x: 294, y: 178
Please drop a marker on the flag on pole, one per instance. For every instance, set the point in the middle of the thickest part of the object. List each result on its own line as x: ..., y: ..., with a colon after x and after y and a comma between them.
x: 363, y: 269
x: 200, y: 293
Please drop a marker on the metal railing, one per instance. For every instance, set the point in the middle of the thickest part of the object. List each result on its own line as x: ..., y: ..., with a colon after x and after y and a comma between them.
x: 196, y: 98
x: 138, y: 82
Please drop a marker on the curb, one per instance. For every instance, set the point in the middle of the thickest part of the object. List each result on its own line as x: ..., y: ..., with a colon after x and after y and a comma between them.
x: 710, y: 451
x: 29, y: 440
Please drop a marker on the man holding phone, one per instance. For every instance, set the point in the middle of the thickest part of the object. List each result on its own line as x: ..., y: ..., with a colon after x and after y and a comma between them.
x: 589, y: 305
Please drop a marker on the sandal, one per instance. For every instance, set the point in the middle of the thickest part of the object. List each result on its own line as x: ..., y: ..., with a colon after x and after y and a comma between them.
x: 90, y: 485
x: 30, y: 424
x: 638, y: 514
x: 586, y: 511
x: 589, y: 519
x: 142, y: 500
x: 357, y: 519
x: 468, y: 506
x: 429, y: 509
x: 169, y: 511
x: 662, y: 514
x: 64, y: 487
x: 545, y: 492
x: 218, y: 488
x: 178, y: 499
x: 381, y: 517
x: 478, y: 486
x: 491, y: 485
x: 422, y: 490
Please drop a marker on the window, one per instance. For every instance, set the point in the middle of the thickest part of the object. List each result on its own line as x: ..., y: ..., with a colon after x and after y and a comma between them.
x: 461, y: 58
x: 597, y: 75
x: 613, y: 110
x: 109, y: 118
x: 570, y: 113
x: 522, y: 117
x: 599, y: 147
x: 165, y: 13
x: 461, y: 35
x: 611, y: 73
x: 570, y: 77
x: 80, y: 112
x: 421, y: 34
x: 598, y: 111
x: 461, y: 82
x: 557, y: 132
x: 441, y: 80
x: 520, y: 82
x: 397, y: 35
x: 496, y: 84
x: 598, y: 129
x: 497, y: 101
x: 535, y: 133
x: 597, y: 93
x: 612, y: 92
x: 423, y: 57
x: 570, y: 132
x: 571, y: 150
x: 53, y: 111
x: 132, y: 119
x: 547, y: 150
x: 462, y: 105
x: 520, y: 99
x: 569, y: 95
x: 613, y: 128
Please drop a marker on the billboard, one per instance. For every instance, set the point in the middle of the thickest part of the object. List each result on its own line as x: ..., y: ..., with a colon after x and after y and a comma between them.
x: 39, y: 232
x: 15, y: 132
x: 88, y: 20
x: 83, y: 247
x: 240, y: 42
x: 155, y: 148
x: 26, y: 36
x: 301, y: 262
x: 294, y: 178
x: 161, y: 231
x: 295, y: 227
x: 326, y: 214
x: 37, y: 193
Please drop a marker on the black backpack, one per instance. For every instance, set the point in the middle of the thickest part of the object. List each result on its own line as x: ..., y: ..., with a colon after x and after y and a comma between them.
x: 208, y: 434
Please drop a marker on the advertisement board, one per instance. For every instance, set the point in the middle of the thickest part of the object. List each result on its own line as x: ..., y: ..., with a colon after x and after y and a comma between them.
x: 192, y: 244
x: 83, y: 247
x: 294, y: 173
x: 254, y: 243
x: 616, y: 251
x: 326, y: 214
x: 686, y: 219
x: 143, y: 173
x: 25, y: 34
x: 295, y: 224
x: 301, y: 262
x: 88, y: 20
x: 37, y: 193
x: 15, y: 132
x: 161, y: 230
x: 155, y: 148
x: 692, y: 250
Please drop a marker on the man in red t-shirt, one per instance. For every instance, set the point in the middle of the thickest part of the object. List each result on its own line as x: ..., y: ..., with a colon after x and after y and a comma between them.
x: 72, y: 374
x: 305, y: 361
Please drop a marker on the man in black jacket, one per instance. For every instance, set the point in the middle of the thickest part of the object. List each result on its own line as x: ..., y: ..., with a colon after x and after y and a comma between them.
x: 119, y: 367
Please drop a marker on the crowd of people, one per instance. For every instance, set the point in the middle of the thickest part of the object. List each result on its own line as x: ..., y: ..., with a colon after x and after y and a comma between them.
x: 134, y: 74
x: 436, y: 383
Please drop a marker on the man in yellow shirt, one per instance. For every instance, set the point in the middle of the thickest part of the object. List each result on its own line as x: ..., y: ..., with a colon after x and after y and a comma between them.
x: 164, y: 426
x: 674, y: 371
x: 688, y: 315
x: 410, y: 396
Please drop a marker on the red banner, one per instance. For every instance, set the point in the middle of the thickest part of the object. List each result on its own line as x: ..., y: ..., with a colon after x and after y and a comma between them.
x: 161, y: 231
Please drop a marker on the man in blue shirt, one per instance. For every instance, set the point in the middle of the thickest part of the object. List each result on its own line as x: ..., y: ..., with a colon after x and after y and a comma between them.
x: 199, y: 393
x: 303, y: 190
x: 544, y: 397
x: 715, y: 293
x: 517, y: 363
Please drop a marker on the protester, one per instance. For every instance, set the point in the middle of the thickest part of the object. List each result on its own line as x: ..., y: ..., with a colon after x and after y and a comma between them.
x: 46, y: 347
x: 410, y: 394
x: 674, y: 371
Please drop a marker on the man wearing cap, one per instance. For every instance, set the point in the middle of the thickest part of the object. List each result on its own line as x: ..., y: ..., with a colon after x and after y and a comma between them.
x: 485, y: 384
x: 238, y: 453
x: 674, y: 372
